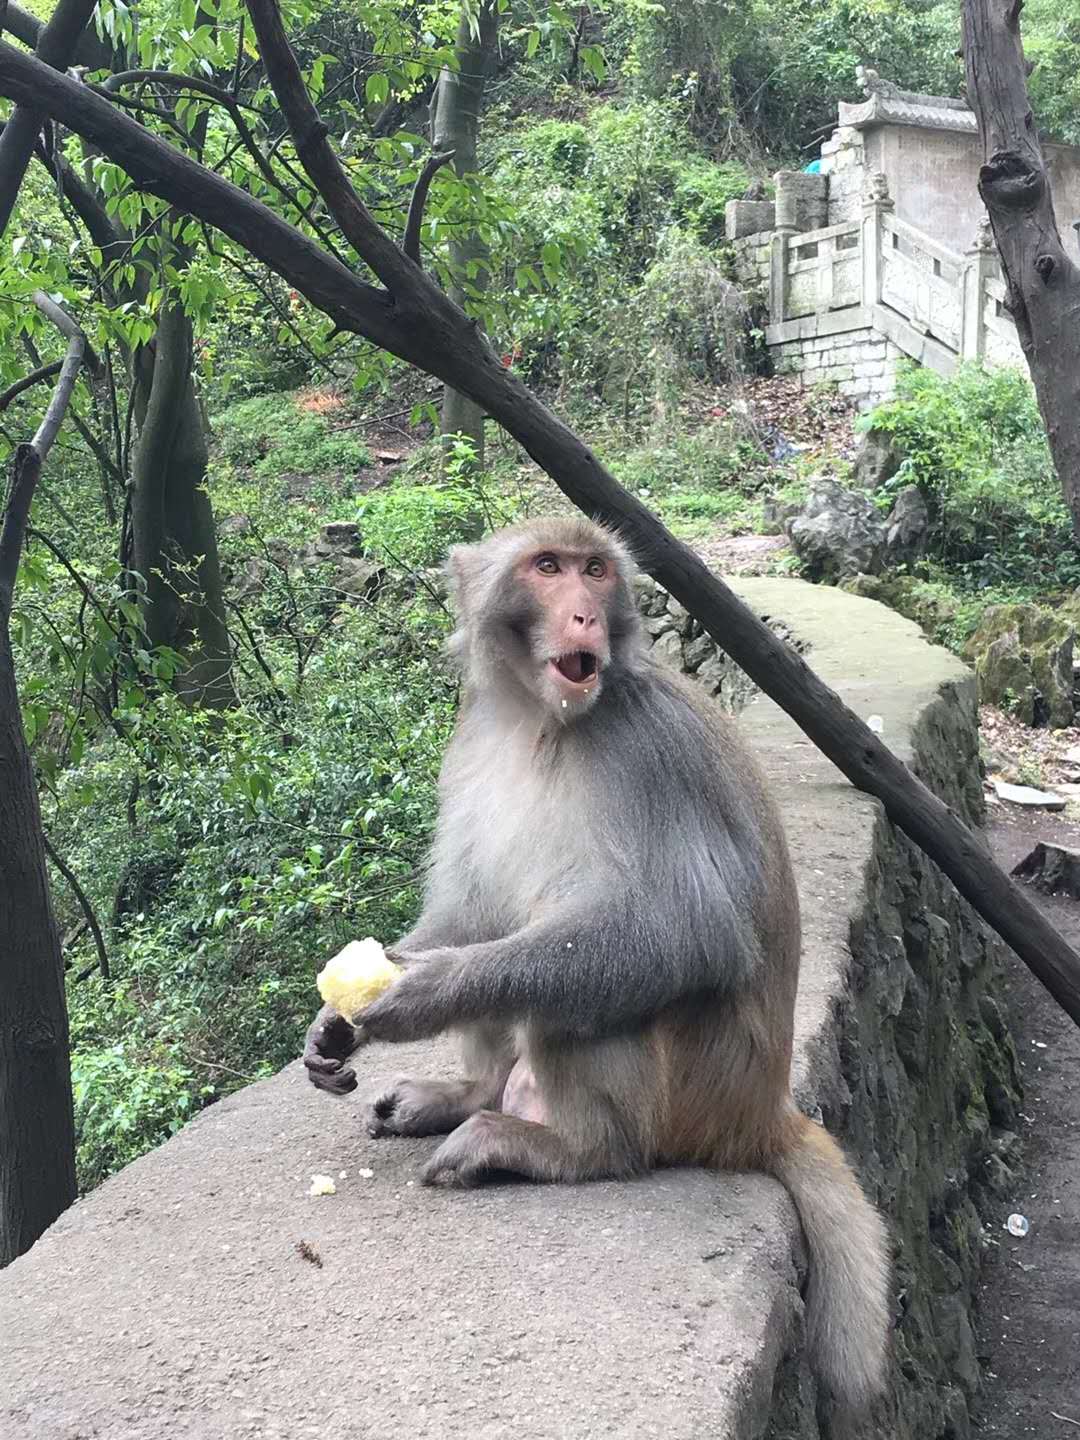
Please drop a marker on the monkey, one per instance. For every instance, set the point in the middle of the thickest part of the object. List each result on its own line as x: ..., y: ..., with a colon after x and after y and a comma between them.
x: 611, y: 923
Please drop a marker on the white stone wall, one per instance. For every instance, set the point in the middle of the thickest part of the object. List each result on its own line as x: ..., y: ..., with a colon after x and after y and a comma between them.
x: 752, y: 254
x: 860, y: 363
x: 843, y: 161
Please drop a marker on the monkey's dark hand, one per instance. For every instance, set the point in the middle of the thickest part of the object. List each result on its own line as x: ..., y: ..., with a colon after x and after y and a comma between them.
x: 418, y: 1004
x: 328, y: 1042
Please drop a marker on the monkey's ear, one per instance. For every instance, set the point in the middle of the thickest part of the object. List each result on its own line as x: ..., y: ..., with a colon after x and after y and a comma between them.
x: 464, y: 565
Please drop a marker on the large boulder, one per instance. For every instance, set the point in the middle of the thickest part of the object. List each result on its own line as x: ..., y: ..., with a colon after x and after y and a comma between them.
x: 1023, y: 657
x: 838, y: 532
x: 876, y: 461
x: 906, y: 527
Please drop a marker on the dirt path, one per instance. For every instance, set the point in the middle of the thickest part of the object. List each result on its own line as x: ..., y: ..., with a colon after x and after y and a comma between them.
x: 1029, y: 1333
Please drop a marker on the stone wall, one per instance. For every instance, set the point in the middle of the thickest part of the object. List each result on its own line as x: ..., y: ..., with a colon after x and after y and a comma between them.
x: 668, y: 1306
x: 860, y: 363
x: 752, y: 254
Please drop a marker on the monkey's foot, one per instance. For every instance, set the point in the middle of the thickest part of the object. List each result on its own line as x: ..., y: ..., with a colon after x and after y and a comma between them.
x: 421, y: 1107
x: 491, y: 1142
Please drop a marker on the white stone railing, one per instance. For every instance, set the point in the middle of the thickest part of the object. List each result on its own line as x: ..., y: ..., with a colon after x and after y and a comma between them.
x: 883, y: 274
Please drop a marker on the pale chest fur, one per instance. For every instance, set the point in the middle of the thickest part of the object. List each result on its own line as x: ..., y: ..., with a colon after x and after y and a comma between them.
x: 511, y: 831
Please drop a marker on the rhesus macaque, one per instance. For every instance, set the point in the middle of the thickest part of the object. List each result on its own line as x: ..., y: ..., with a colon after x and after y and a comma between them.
x: 611, y: 922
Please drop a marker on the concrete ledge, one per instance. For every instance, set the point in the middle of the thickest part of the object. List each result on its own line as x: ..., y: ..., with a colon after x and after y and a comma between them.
x: 173, y: 1301
x: 824, y: 322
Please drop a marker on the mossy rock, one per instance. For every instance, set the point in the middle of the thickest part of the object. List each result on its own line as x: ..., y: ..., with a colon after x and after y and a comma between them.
x: 1023, y: 657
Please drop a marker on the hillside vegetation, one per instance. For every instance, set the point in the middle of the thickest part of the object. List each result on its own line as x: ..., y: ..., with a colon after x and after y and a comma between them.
x: 225, y: 852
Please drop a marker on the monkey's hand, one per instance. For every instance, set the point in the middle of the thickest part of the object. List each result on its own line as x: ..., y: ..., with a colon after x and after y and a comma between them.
x: 418, y: 1004
x: 328, y: 1042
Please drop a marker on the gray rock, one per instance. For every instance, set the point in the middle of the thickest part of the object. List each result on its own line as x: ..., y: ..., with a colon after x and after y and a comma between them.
x: 838, y: 533
x: 876, y: 460
x: 669, y: 647
x: 907, y: 527
x: 252, y: 578
x: 1028, y: 796
x: 713, y: 672
x: 358, y: 579
x: 235, y: 525
x: 655, y: 626
x: 684, y: 621
x: 696, y: 652
x: 775, y: 514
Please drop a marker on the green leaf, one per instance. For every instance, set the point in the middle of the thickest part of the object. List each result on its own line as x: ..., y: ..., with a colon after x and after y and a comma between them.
x: 532, y: 44
x: 593, y: 60
x: 377, y: 88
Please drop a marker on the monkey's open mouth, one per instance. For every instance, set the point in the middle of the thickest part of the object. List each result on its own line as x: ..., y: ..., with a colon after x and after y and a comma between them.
x: 578, y: 666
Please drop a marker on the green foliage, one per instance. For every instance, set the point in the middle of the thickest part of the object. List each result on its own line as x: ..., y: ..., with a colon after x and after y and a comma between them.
x: 276, y: 435
x: 616, y: 287
x: 126, y: 1103
x: 976, y: 447
x: 697, y: 478
x: 412, y: 527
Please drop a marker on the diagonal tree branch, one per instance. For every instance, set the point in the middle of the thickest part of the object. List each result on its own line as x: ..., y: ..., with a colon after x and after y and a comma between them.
x: 420, y: 324
x: 56, y: 44
x: 29, y: 459
x: 36, y: 377
x: 411, y: 242
x: 317, y: 155
x: 90, y: 50
x: 163, y: 170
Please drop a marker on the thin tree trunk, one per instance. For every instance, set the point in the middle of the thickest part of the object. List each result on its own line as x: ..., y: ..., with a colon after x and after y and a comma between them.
x: 174, y: 542
x: 459, y: 100
x: 37, y: 1128
x: 1043, y: 282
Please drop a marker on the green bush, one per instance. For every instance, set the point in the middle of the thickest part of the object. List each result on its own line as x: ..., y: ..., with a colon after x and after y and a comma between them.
x: 126, y: 1103
x: 413, y: 527
x: 596, y: 208
x: 976, y: 447
x: 273, y: 435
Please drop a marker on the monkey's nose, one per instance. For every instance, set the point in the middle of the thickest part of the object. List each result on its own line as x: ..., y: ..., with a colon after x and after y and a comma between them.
x: 585, y: 620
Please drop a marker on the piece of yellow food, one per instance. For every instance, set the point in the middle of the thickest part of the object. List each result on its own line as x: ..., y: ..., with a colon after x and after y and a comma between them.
x: 356, y: 976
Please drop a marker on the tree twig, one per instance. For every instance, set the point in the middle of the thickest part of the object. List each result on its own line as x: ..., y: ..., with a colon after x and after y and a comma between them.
x: 84, y: 905
x: 35, y: 377
x: 411, y: 242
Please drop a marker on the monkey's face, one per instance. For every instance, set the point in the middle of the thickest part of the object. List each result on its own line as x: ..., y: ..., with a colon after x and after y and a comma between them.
x: 549, y: 605
x: 571, y: 592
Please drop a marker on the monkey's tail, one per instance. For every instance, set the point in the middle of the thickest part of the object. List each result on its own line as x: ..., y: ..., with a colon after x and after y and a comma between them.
x: 847, y: 1317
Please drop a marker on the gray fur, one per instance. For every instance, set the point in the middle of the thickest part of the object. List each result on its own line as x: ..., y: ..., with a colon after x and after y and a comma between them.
x: 611, y: 918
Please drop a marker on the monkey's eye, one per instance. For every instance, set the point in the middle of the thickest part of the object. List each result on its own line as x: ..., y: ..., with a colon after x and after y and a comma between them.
x: 547, y: 565
x: 596, y: 568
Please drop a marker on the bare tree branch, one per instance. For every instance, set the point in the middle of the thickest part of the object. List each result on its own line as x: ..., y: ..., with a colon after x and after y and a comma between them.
x: 163, y: 170
x: 84, y: 905
x: 26, y: 469
x: 90, y: 51
x: 43, y: 372
x: 411, y: 243
x: 56, y: 45
x: 67, y: 327
x: 317, y: 155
